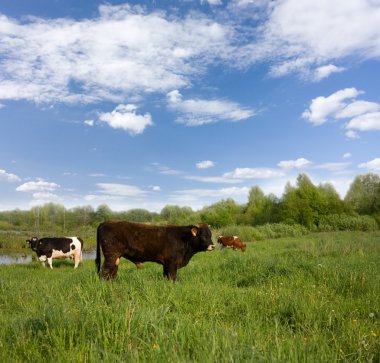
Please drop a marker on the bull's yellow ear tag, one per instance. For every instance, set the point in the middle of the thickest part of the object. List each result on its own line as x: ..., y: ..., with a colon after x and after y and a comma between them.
x: 194, y: 231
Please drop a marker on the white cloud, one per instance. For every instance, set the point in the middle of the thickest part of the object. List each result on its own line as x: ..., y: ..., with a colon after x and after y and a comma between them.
x: 121, y: 190
x: 44, y: 197
x: 357, y: 108
x: 89, y: 122
x: 325, y: 71
x: 123, y: 52
x: 189, y: 195
x: 213, y: 179
x: 196, y: 112
x: 334, y: 167
x: 156, y: 188
x: 97, y: 175
x: 125, y: 117
x: 127, y: 51
x: 367, y: 122
x: 162, y: 169
x: 206, y: 164
x: 346, y: 155
x: 365, y: 116
x: 371, y: 165
x: 38, y: 186
x: 4, y: 175
x: 351, y: 134
x: 212, y: 2
x: 321, y: 108
x: 253, y: 173
x: 298, y: 163
x: 300, y: 34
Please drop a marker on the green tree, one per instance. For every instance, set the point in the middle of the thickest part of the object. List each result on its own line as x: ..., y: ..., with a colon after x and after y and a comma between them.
x: 260, y: 209
x: 103, y: 213
x: 363, y: 194
x: 174, y: 214
x: 223, y: 213
x: 302, y: 204
x: 138, y: 215
x: 332, y: 203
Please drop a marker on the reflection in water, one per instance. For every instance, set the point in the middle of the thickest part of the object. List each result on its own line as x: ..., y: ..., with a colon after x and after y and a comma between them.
x: 11, y: 259
x: 14, y: 258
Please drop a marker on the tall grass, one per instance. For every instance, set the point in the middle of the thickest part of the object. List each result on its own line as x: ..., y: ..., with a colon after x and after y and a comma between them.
x: 343, y: 222
x: 267, y: 231
x: 306, y: 299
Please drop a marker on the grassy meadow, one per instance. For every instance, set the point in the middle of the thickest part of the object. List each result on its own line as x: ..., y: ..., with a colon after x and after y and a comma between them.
x: 313, y: 298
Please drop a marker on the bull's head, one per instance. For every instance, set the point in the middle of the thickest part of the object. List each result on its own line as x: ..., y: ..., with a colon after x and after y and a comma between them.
x: 202, y: 236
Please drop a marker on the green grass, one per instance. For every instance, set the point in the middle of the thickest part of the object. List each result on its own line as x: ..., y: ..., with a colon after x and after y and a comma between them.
x: 307, y: 299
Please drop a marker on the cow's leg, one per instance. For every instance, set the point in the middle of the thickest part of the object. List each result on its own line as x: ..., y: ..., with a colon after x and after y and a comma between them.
x: 50, y: 262
x: 110, y: 267
x: 43, y: 260
x: 77, y: 259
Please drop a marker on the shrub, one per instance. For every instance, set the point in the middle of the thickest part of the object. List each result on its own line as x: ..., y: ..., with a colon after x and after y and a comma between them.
x: 259, y: 233
x: 344, y: 222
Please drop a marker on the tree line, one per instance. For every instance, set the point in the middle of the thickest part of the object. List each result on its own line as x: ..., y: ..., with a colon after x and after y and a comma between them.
x: 312, y: 206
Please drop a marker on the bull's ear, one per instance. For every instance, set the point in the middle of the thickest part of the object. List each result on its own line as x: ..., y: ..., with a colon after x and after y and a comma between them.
x: 194, y: 231
x: 28, y: 240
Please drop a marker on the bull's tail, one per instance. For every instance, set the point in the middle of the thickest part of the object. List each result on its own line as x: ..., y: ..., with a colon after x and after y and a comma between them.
x: 98, y: 256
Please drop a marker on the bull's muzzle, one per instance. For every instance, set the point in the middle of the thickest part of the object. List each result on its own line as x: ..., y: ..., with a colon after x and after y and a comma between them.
x: 210, y: 247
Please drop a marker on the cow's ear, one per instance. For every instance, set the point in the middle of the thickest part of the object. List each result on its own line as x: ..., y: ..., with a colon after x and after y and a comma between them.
x: 28, y: 240
x: 194, y: 231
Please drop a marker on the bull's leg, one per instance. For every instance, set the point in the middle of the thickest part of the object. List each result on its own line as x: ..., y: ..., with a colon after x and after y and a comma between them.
x: 170, y: 271
x: 50, y: 262
x: 109, y: 270
x: 166, y: 272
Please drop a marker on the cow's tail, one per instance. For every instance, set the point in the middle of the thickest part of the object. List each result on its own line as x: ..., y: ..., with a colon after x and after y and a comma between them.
x: 98, y: 256
x: 81, y: 249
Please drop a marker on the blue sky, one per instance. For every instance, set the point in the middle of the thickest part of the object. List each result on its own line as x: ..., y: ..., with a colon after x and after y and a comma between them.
x: 141, y: 104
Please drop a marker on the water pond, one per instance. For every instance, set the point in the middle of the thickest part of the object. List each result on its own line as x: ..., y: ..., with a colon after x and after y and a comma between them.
x: 10, y: 257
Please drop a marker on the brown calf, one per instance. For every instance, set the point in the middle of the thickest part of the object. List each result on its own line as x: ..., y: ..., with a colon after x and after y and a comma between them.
x: 232, y: 242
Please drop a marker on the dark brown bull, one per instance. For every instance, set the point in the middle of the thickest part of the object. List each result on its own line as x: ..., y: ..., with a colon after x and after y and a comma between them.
x: 232, y: 242
x: 170, y: 246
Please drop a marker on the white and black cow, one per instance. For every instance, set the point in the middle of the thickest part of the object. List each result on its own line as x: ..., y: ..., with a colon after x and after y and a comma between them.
x: 57, y: 247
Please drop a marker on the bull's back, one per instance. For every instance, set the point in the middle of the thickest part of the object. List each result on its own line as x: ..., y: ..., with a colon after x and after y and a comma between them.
x: 140, y: 241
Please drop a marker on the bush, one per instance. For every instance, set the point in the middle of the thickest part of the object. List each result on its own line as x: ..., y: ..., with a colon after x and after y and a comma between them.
x: 278, y: 230
x: 259, y: 233
x: 343, y: 222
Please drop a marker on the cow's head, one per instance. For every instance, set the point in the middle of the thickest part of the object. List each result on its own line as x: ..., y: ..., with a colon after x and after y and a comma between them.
x: 202, y: 237
x: 243, y: 247
x: 33, y: 242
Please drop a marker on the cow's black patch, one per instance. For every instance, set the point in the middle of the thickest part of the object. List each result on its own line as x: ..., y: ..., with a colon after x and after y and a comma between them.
x: 73, y: 247
x: 45, y: 246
